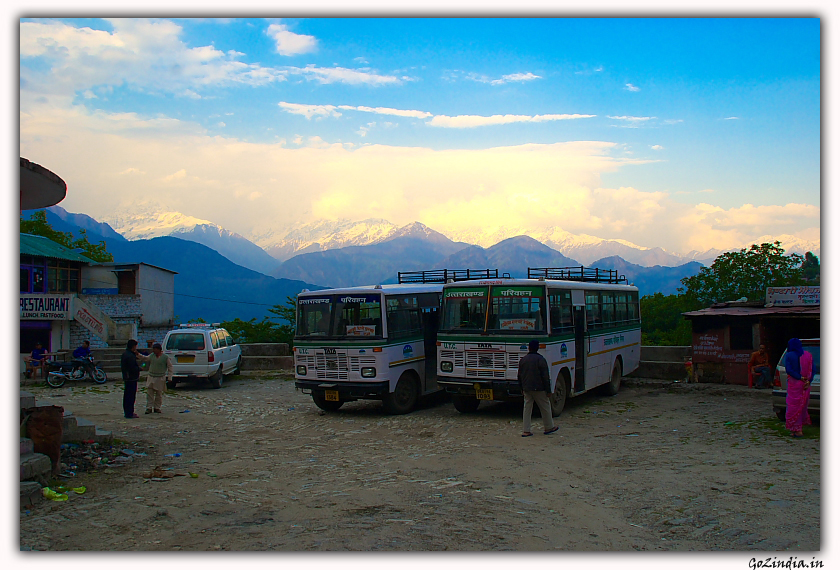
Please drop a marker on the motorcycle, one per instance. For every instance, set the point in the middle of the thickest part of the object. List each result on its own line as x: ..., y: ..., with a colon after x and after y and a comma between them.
x: 59, y: 372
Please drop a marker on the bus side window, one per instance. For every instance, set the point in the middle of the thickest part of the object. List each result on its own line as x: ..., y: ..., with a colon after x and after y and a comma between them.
x: 403, y: 314
x: 560, y: 303
x: 608, y: 307
x: 593, y: 309
x: 633, y: 306
x: 621, y: 307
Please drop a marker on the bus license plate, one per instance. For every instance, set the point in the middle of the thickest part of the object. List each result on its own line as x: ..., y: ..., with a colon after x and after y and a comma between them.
x: 331, y: 395
x: 484, y: 394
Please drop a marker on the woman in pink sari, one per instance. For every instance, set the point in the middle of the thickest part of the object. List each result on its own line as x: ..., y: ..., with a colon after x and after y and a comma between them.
x: 798, y: 366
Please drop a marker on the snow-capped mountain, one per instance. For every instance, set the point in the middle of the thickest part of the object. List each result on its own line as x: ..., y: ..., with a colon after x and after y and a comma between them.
x: 148, y: 221
x: 790, y: 243
x: 582, y: 247
x: 322, y: 235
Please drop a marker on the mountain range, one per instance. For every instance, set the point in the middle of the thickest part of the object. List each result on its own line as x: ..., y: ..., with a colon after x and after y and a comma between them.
x: 215, y: 263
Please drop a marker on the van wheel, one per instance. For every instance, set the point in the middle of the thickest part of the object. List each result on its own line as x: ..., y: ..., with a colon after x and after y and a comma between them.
x: 326, y: 405
x: 465, y: 404
x: 171, y: 385
x: 781, y: 413
x: 217, y: 379
x: 561, y: 392
x: 238, y: 370
x: 404, y: 397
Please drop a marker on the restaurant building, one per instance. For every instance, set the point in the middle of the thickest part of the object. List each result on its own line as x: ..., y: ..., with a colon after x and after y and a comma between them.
x: 726, y: 334
x: 65, y: 298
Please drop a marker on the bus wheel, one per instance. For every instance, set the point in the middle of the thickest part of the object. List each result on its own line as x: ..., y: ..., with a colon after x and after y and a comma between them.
x: 465, y: 404
x: 561, y: 392
x: 326, y: 405
x: 611, y: 388
x: 404, y: 397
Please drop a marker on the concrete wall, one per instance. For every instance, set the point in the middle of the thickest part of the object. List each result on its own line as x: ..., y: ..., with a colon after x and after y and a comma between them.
x: 99, y: 277
x: 265, y: 349
x: 665, y: 353
x: 157, y: 291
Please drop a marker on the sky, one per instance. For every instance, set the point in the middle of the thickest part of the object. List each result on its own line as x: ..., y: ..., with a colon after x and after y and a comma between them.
x: 680, y: 133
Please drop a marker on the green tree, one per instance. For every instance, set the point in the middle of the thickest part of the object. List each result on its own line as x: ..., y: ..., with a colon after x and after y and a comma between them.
x: 662, y: 320
x: 811, y: 268
x: 267, y: 330
x: 745, y: 273
x: 39, y: 226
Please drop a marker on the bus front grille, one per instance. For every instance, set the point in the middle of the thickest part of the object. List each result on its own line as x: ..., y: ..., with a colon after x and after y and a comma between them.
x: 331, y: 366
x: 357, y: 362
x: 457, y: 357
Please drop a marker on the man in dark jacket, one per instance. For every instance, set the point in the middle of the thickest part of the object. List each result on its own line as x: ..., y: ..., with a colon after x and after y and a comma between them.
x: 131, y: 374
x: 536, y: 387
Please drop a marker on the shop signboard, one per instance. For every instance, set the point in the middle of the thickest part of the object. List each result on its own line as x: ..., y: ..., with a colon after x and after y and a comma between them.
x: 801, y: 296
x: 38, y: 307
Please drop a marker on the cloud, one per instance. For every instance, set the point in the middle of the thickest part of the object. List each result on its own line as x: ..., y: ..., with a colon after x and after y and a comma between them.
x: 631, y: 119
x: 309, y: 111
x: 472, y: 121
x: 510, y: 78
x: 631, y: 87
x: 458, y: 122
x: 388, y: 111
x: 144, y: 53
x: 657, y: 147
x: 275, y: 187
x: 730, y: 118
x: 290, y: 43
x: 328, y: 75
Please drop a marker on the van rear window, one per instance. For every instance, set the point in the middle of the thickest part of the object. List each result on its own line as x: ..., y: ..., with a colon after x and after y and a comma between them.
x: 185, y: 341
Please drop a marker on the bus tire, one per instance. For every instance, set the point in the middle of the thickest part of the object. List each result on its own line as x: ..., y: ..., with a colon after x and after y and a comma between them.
x: 465, y: 404
x: 404, y: 397
x: 561, y: 392
x: 611, y: 388
x: 326, y: 405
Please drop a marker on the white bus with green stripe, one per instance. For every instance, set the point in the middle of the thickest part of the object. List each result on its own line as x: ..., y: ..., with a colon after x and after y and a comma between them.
x: 374, y: 342
x: 587, y: 322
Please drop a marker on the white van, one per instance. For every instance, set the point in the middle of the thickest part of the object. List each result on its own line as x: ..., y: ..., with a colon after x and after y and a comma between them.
x: 203, y: 352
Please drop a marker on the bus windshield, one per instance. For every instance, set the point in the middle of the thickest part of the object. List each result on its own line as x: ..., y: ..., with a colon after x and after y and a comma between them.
x: 348, y: 316
x: 517, y: 309
x: 464, y: 309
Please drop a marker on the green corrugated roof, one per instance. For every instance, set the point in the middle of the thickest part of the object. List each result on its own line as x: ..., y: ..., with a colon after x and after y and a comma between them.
x: 44, y: 247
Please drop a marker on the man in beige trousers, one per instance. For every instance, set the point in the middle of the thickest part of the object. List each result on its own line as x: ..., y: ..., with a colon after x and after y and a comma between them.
x: 536, y: 387
x: 160, y: 370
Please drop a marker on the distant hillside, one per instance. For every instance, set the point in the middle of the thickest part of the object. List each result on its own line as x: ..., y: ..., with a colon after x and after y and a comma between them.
x: 208, y: 285
x: 513, y: 255
x: 416, y: 248
x: 63, y: 221
x: 650, y: 280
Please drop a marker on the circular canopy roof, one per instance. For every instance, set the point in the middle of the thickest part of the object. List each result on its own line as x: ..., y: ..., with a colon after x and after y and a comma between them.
x: 39, y: 188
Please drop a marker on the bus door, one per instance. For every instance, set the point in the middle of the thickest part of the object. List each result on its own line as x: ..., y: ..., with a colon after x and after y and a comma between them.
x: 430, y: 316
x: 581, y: 340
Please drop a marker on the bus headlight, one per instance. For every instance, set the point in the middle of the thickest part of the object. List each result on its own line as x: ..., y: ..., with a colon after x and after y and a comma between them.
x: 301, y: 370
x: 446, y: 366
x: 369, y: 372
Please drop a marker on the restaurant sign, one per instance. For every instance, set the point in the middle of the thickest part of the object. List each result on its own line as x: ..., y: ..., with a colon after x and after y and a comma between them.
x: 46, y: 307
x: 793, y: 296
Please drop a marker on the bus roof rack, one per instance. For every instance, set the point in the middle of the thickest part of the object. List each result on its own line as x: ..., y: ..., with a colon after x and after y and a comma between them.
x: 587, y: 274
x: 448, y: 275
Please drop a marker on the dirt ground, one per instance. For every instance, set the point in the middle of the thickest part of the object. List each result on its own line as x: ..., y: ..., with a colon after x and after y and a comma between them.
x: 660, y: 466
